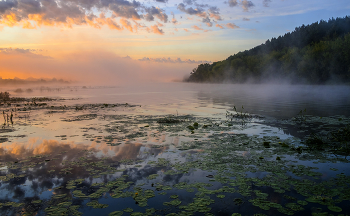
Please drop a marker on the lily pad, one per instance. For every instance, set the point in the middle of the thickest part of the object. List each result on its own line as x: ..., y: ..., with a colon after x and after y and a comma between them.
x: 335, y: 208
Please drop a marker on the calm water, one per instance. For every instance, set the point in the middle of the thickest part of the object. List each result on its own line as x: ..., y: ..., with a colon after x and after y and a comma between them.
x: 272, y: 100
x: 114, y: 150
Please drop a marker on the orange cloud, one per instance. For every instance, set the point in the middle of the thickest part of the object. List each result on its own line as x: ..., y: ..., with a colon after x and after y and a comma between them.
x: 125, y: 23
x: 10, y: 19
x: 72, y: 12
x: 44, y: 147
x: 231, y: 25
x: 28, y: 25
x: 109, y: 22
x: 173, y: 20
x: 220, y: 26
x: 197, y: 28
x: 156, y: 30
x: 215, y: 16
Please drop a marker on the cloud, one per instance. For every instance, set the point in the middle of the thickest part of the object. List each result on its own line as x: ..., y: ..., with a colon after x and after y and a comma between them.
x: 30, y: 14
x: 266, y: 3
x: 246, y: 5
x: 207, y: 21
x: 7, y: 5
x: 231, y: 26
x: 156, y: 30
x: 29, y: 53
x: 28, y: 25
x: 214, y: 13
x: 197, y: 11
x: 173, y: 20
x: 126, y: 24
x: 157, y: 12
x: 162, y: 1
x: 246, y: 19
x: 186, y: 30
x: 232, y: 3
x: 209, y: 24
x: 220, y: 26
x: 169, y: 60
x: 197, y: 28
x: 109, y: 22
x: 188, y: 2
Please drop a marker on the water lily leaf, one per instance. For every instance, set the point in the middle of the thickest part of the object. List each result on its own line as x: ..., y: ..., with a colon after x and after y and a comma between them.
x: 128, y: 210
x: 116, y: 213
x: 335, y: 208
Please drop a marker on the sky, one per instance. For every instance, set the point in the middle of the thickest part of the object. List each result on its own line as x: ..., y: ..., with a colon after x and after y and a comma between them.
x: 125, y: 41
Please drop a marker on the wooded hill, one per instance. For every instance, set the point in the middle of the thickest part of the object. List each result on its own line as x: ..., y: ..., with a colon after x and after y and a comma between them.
x: 314, y: 54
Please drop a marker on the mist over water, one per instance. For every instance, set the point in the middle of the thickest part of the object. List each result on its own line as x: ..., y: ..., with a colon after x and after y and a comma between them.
x: 115, y: 144
x: 280, y: 101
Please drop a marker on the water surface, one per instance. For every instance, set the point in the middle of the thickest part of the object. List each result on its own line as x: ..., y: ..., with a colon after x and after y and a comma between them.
x: 174, y: 149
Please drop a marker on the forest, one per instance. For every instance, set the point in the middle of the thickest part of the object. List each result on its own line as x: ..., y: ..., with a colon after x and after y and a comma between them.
x: 318, y: 53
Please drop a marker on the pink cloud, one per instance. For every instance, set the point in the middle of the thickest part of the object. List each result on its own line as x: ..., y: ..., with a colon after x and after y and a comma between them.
x: 232, y: 26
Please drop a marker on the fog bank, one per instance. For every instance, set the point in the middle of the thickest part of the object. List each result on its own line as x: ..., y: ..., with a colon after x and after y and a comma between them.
x: 91, y: 68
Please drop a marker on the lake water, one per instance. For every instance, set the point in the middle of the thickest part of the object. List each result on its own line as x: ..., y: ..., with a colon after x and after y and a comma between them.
x: 176, y: 149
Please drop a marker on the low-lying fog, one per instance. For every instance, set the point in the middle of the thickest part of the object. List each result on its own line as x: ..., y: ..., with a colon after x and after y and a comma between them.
x: 282, y: 101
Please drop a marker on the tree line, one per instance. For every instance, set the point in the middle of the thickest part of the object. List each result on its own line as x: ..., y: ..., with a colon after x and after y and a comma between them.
x: 318, y: 53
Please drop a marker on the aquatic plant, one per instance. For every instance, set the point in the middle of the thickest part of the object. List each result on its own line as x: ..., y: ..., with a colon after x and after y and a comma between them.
x: 301, y: 117
x: 168, y: 120
x: 4, y: 96
x: 239, y: 116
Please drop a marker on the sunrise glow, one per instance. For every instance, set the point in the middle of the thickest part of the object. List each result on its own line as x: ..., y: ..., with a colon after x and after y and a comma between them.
x: 158, y: 40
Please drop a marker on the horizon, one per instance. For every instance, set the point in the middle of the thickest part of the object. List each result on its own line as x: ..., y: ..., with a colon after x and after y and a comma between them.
x: 100, y: 42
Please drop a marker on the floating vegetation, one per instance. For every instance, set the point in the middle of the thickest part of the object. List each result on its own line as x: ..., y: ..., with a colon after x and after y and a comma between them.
x: 151, y: 165
x: 96, y: 204
x: 169, y: 120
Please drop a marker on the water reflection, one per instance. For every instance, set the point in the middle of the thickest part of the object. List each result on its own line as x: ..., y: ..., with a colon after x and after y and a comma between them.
x: 280, y: 101
x: 106, y: 151
x: 37, y: 146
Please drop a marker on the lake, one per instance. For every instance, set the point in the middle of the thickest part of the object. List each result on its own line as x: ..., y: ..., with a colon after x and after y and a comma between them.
x: 176, y: 149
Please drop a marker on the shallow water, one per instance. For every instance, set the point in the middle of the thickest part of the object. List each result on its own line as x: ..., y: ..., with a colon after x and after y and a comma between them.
x: 105, y: 149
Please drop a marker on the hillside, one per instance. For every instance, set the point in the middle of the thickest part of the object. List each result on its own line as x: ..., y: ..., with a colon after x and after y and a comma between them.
x: 314, y: 54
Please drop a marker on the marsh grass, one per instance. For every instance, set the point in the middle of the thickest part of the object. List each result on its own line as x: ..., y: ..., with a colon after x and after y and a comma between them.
x: 301, y: 117
x: 243, y: 118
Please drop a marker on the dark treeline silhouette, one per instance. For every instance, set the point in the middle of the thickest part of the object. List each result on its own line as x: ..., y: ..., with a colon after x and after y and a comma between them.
x: 18, y: 81
x: 314, y: 54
